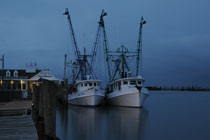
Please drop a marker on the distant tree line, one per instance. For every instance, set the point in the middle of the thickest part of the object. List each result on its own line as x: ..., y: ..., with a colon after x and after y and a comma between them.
x: 180, y: 88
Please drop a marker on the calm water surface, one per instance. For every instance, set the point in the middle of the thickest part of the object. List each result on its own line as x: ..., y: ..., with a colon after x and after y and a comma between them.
x: 167, y: 115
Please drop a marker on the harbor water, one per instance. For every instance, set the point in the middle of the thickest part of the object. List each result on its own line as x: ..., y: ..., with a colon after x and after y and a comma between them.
x: 167, y: 115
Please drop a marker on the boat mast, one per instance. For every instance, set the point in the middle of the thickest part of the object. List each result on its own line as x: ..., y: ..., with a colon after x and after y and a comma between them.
x: 77, y: 52
x: 139, y: 45
x: 123, y: 66
x: 64, y: 76
x: 101, y: 23
x: 96, y: 44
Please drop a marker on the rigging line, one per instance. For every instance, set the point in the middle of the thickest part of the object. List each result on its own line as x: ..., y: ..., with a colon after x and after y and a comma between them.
x: 91, y: 70
x: 95, y: 44
x: 99, y: 53
x: 68, y: 42
x: 99, y: 50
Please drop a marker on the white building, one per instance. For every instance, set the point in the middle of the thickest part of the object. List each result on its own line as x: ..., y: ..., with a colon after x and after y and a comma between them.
x: 45, y: 74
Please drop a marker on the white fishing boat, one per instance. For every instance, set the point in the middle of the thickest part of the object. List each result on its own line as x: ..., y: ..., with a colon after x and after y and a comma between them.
x: 86, y: 92
x: 127, y: 92
x: 125, y: 88
x: 85, y: 88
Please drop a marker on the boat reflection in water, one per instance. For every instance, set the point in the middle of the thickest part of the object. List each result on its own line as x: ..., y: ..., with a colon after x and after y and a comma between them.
x: 101, y: 123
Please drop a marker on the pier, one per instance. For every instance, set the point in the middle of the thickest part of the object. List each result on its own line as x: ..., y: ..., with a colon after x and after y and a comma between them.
x: 17, y: 127
x: 16, y: 122
x: 32, y: 119
x: 17, y: 107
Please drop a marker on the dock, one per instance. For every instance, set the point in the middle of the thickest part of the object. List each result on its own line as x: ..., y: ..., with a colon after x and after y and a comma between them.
x: 18, y: 107
x: 16, y: 122
x: 17, y: 128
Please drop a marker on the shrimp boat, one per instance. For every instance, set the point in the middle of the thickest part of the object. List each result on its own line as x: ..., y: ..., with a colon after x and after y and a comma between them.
x: 125, y: 88
x: 85, y: 88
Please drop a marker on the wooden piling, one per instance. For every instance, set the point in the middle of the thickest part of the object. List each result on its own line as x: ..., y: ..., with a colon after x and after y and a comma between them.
x: 62, y: 94
x: 41, y: 125
x: 50, y: 108
x: 44, y: 109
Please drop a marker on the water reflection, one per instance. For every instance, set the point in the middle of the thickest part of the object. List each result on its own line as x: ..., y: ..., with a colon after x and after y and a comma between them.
x: 100, y: 123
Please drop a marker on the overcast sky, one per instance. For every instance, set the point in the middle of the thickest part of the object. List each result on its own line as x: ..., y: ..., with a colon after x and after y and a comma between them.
x: 176, y: 38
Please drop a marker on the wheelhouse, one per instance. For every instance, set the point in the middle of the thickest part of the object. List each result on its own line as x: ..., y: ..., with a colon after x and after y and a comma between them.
x: 124, y: 83
x: 86, y: 84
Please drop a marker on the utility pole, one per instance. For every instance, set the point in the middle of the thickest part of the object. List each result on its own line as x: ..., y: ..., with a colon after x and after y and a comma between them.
x: 2, y: 60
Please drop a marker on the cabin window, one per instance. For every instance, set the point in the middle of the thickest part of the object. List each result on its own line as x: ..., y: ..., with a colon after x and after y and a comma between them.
x: 95, y: 84
x: 139, y: 82
x: 125, y: 82
x: 133, y: 82
x: 85, y: 84
x: 90, y: 84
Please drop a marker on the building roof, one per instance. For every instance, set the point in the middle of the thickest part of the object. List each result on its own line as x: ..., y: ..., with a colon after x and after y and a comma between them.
x: 21, y: 73
x: 44, y: 74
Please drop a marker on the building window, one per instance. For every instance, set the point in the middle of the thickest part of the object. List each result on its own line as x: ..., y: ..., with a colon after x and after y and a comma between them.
x: 24, y: 86
x: 90, y: 84
x: 8, y: 73
x: 15, y: 74
x: 95, y: 84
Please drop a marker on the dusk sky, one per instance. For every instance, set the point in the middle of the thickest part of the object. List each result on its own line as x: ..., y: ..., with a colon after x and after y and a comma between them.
x: 176, y: 38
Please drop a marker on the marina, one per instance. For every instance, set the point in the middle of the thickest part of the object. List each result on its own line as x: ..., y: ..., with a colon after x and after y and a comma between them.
x: 104, y: 70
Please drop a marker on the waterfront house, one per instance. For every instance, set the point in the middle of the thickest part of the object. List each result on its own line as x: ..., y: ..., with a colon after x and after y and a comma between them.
x: 14, y: 83
x: 17, y: 83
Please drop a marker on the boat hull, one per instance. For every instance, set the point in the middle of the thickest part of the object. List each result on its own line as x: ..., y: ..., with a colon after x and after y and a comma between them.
x: 134, y: 98
x: 86, y: 98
